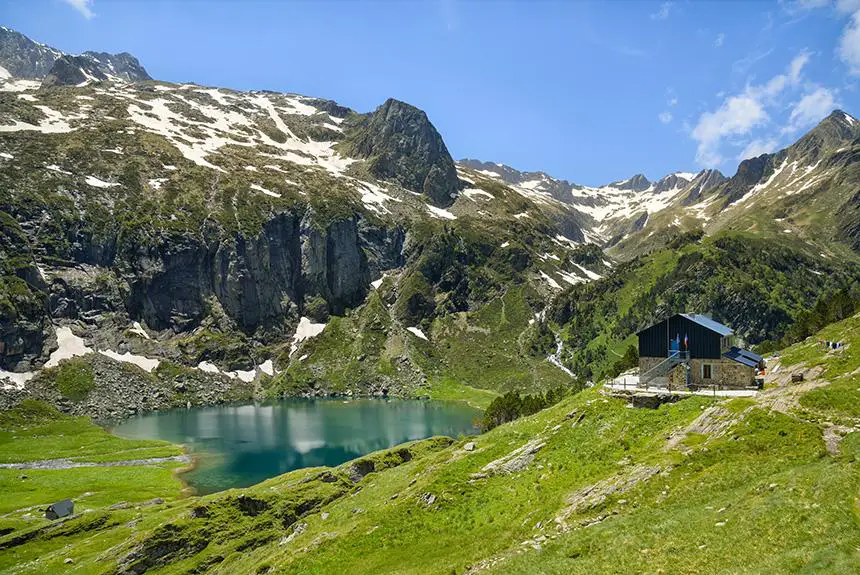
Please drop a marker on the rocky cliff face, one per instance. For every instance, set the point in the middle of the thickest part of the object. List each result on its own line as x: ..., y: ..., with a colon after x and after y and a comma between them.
x: 402, y: 145
x: 749, y: 173
x: 260, y: 283
x: 123, y: 66
x: 24, y: 58
x: 637, y: 183
x: 72, y: 71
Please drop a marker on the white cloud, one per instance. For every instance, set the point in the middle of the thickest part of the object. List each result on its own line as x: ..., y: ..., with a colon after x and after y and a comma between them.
x: 719, y: 40
x: 665, y: 117
x: 758, y: 147
x: 849, y: 44
x: 673, y: 101
x: 811, y: 109
x: 663, y: 12
x: 82, y: 6
x: 736, y: 116
x: 847, y: 6
x: 740, y: 113
x: 796, y: 66
x: 805, y: 5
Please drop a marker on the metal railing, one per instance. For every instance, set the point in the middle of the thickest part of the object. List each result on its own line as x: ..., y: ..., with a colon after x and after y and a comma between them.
x: 664, y: 367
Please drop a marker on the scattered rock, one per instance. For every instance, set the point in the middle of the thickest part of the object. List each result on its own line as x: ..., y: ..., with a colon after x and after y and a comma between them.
x: 68, y: 560
x: 593, y: 495
x: 469, y: 446
x: 359, y: 469
x: 517, y: 460
x: 297, y: 530
x: 199, y: 512
x: 428, y: 499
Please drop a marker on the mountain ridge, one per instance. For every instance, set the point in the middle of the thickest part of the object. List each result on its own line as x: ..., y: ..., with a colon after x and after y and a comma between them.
x: 22, y: 57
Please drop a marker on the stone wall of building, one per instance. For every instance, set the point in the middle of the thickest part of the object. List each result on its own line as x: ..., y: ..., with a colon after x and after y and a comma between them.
x: 646, y: 364
x: 734, y: 374
x: 724, y: 373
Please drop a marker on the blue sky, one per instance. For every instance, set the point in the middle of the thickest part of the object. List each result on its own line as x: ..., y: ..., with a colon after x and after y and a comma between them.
x: 590, y: 92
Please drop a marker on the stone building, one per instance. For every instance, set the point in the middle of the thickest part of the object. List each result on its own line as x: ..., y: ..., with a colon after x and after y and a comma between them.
x: 689, y: 350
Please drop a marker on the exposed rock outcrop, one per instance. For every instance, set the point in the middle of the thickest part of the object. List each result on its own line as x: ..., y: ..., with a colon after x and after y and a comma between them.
x: 73, y: 71
x: 402, y: 145
x: 24, y: 58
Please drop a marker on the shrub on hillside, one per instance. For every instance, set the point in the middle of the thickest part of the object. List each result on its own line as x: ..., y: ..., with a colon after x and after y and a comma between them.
x: 75, y: 379
x: 512, y: 405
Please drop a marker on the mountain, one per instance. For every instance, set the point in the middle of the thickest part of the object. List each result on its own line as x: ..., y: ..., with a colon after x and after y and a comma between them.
x: 21, y: 57
x: 604, y: 214
x: 804, y: 192
x: 293, y: 246
x: 402, y: 145
x: 228, y: 225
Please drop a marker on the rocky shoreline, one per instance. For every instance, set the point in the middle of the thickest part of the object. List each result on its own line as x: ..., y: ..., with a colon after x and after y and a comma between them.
x: 118, y: 391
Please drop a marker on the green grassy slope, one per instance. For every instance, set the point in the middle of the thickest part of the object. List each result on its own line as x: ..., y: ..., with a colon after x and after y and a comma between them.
x: 469, y: 355
x: 34, y: 431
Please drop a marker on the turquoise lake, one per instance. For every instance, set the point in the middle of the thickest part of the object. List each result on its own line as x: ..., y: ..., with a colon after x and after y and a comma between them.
x: 240, y: 445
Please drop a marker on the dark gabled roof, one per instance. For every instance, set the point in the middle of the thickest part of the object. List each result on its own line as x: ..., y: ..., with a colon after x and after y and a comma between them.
x: 62, y: 508
x: 702, y: 320
x: 743, y: 356
x: 708, y: 323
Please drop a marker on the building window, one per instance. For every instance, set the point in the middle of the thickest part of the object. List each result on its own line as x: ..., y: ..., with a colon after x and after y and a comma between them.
x: 706, y: 371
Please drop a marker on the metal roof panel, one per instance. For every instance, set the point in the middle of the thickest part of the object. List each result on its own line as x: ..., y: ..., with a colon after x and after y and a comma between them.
x: 708, y: 323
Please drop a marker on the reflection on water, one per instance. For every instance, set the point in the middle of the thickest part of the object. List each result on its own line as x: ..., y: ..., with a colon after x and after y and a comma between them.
x: 237, y: 446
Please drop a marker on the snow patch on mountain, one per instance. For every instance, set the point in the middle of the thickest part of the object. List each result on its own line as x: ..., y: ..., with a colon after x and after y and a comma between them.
x: 417, y: 333
x: 69, y: 346
x: 440, y: 213
x: 260, y: 188
x: 97, y: 183
x: 305, y: 330
x: 142, y: 362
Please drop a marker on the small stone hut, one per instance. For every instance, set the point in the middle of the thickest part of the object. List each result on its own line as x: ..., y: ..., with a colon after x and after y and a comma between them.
x: 60, y: 509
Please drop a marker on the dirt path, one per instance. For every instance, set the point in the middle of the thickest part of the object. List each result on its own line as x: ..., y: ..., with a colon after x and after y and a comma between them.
x: 71, y: 464
x: 786, y: 395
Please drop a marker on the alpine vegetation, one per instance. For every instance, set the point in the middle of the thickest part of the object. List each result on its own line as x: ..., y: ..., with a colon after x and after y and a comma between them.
x: 257, y: 331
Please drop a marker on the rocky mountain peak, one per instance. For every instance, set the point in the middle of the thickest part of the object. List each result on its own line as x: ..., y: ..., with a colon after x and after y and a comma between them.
x: 670, y: 182
x: 21, y: 57
x: 402, y: 145
x: 637, y: 183
x: 705, y: 181
x: 123, y: 66
x: 73, y: 71
x: 833, y: 132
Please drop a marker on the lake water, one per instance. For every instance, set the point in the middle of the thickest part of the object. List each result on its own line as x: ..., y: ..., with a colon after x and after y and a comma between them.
x: 240, y: 445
